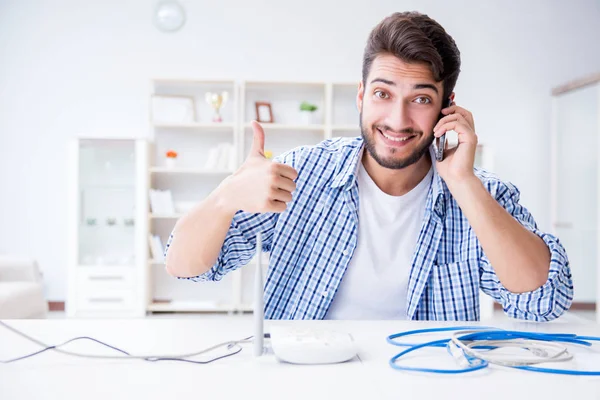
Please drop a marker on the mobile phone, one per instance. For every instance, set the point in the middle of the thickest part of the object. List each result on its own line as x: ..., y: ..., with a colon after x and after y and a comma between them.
x: 440, y: 143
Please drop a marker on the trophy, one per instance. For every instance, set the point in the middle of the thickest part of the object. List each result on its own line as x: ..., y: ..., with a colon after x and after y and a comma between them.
x: 217, y: 101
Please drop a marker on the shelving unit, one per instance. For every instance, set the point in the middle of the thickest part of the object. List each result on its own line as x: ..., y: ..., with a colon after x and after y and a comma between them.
x: 189, y: 182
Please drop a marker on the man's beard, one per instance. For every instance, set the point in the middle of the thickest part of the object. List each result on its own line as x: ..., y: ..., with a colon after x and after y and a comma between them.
x: 392, y: 163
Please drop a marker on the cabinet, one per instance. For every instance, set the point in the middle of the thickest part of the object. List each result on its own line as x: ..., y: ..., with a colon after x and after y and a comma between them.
x: 575, y: 182
x: 106, y: 224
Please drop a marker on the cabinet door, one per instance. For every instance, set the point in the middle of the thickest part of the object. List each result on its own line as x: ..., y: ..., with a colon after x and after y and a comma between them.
x: 575, y: 171
x: 107, y: 183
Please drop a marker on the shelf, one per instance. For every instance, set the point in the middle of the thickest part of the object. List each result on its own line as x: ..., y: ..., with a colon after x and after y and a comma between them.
x: 189, y: 306
x: 353, y: 85
x: 289, y: 127
x: 115, y: 266
x: 169, y: 81
x: 345, y: 127
x: 189, y: 171
x: 166, y: 216
x: 206, y: 126
x: 278, y: 84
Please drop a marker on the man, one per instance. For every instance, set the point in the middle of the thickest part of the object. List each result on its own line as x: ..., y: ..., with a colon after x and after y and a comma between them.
x: 374, y: 227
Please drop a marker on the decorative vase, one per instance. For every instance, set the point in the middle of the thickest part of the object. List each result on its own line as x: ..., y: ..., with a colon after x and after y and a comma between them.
x: 170, y: 162
x: 307, y: 117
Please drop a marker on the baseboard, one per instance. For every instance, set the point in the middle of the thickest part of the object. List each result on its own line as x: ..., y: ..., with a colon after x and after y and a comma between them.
x: 578, y: 306
x: 60, y: 306
x: 56, y: 305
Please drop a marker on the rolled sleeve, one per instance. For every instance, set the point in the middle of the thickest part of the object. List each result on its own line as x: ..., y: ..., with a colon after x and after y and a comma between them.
x: 550, y: 300
x: 239, y: 246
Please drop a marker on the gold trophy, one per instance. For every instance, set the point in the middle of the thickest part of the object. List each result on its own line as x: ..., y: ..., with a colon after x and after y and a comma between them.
x: 217, y: 101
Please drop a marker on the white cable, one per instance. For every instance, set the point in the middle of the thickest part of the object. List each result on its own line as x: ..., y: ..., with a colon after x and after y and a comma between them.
x: 542, y: 351
x: 131, y: 356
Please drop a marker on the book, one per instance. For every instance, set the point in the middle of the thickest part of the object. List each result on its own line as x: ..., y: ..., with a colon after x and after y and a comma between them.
x: 161, y: 202
x: 157, y: 251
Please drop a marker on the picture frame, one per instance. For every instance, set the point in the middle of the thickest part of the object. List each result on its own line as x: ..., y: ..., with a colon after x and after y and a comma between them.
x: 172, y: 109
x: 264, y: 112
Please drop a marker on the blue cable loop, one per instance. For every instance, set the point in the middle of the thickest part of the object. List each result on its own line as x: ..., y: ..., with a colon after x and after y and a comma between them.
x: 487, y: 333
x: 476, y: 366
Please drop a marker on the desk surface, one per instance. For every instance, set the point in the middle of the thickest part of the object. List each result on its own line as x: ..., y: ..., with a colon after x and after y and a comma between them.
x: 51, y: 375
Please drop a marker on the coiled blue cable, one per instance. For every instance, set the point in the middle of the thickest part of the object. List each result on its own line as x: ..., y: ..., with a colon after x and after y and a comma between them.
x: 487, y: 333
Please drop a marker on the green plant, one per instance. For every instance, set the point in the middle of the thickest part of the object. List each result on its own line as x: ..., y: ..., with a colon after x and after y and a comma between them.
x: 306, y: 106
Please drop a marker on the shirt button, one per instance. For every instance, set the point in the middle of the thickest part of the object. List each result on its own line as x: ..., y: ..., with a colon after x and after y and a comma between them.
x: 325, y: 293
x: 345, y: 252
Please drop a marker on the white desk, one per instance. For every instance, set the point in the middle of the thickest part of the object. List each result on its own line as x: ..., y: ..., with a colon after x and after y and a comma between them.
x: 55, y: 376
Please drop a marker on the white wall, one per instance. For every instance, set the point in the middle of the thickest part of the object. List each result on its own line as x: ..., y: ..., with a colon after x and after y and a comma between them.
x: 71, y: 68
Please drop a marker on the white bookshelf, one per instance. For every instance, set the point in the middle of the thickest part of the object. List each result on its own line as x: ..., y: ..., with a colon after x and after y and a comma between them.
x: 189, y: 181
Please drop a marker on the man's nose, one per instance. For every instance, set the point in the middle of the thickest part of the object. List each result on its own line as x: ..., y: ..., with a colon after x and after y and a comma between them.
x: 399, y: 118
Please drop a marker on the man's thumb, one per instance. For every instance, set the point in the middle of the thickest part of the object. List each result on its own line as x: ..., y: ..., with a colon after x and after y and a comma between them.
x: 258, y: 144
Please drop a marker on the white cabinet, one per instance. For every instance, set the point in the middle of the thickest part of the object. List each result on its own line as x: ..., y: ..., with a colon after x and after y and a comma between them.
x: 107, y: 223
x: 576, y: 182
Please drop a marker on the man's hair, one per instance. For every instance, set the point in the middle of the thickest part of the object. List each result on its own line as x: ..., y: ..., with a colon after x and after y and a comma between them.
x: 415, y: 38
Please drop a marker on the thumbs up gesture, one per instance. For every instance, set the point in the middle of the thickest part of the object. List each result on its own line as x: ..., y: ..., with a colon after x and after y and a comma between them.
x: 260, y: 185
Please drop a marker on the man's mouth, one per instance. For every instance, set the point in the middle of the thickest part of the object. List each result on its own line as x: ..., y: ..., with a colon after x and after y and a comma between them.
x: 396, y: 138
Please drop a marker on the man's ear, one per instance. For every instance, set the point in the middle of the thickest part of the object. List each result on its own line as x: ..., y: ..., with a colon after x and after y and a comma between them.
x: 359, y: 95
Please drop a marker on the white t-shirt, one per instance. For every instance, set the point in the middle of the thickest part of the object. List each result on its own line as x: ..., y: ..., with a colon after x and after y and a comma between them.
x: 376, y: 280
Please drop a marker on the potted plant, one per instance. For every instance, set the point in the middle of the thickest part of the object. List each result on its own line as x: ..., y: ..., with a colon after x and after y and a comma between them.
x: 307, y: 111
x: 171, y: 158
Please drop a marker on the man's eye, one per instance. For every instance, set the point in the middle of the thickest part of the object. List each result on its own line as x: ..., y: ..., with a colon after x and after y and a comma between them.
x: 423, y: 100
x: 380, y: 94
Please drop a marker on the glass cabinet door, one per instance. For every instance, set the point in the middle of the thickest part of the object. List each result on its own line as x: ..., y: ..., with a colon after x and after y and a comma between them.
x: 106, y: 202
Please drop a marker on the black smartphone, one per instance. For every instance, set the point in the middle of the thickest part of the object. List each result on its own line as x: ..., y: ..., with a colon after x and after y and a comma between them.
x: 440, y: 143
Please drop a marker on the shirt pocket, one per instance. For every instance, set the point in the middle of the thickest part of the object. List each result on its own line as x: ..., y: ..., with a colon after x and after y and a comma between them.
x: 454, y: 290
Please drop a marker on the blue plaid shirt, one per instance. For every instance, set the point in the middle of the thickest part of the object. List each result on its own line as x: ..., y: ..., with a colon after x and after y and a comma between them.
x: 312, y: 242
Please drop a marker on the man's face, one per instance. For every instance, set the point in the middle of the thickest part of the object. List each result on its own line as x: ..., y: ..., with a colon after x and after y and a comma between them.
x: 399, y: 107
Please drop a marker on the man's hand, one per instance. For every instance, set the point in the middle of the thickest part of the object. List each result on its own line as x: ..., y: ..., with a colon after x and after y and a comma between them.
x: 259, y: 185
x: 457, y: 165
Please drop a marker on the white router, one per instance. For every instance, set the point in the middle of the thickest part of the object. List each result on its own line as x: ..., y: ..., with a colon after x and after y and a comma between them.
x: 297, y: 345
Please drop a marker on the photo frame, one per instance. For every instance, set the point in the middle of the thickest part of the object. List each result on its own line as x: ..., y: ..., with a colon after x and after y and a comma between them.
x: 172, y: 109
x: 264, y: 112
